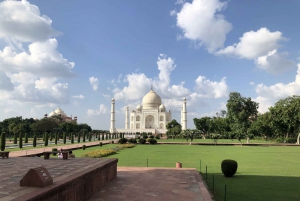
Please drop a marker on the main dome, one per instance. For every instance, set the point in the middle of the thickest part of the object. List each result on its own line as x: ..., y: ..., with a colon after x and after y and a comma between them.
x: 151, y: 100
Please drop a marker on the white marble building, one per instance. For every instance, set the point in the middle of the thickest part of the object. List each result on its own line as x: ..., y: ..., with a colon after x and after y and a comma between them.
x: 152, y: 116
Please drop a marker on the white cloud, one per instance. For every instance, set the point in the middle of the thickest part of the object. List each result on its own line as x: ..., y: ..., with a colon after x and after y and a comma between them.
x: 139, y: 85
x: 261, y: 46
x: 79, y: 96
x: 42, y: 59
x: 30, y: 88
x: 211, y: 89
x: 179, y: 1
x: 173, y: 12
x: 10, y: 110
x: 30, y: 63
x: 275, y: 62
x: 268, y: 95
x: 5, y: 82
x: 201, y: 23
x: 254, y: 44
x: 94, y: 82
x: 22, y: 21
x: 102, y: 110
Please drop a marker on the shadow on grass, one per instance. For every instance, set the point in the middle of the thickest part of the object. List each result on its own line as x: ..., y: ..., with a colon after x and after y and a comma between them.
x: 253, y: 187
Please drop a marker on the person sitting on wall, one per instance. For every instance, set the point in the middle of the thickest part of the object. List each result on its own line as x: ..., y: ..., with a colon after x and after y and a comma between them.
x: 71, y: 155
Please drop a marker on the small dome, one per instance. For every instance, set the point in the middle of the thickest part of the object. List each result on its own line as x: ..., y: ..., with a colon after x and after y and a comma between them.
x: 151, y: 100
x: 59, y: 111
x: 52, y: 114
x: 139, y: 107
x: 162, y: 107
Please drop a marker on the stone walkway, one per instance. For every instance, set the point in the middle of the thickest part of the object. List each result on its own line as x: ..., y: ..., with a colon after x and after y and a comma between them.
x: 41, y: 150
x: 154, y: 184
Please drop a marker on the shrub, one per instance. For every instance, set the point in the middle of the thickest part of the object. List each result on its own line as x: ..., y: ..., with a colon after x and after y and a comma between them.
x: 20, y: 141
x: 122, y: 141
x: 72, y: 138
x: 46, y: 139
x: 64, y: 138
x: 142, y: 141
x: 152, y: 141
x: 34, y: 141
x: 229, y: 167
x: 132, y: 141
x: 157, y: 137
x: 83, y: 147
x: 54, y: 149
x: 100, y: 144
x: 15, y: 138
x: 3, y: 141
x: 291, y: 140
x: 280, y: 139
x: 26, y: 138
x: 145, y: 136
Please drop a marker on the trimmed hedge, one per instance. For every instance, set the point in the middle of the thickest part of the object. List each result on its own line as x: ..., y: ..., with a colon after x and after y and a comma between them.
x: 142, y: 141
x: 122, y: 141
x: 152, y: 141
x: 229, y: 167
x: 54, y: 149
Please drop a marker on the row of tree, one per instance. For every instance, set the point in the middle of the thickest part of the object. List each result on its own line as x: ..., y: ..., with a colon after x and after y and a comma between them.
x: 242, y: 120
x: 33, y: 127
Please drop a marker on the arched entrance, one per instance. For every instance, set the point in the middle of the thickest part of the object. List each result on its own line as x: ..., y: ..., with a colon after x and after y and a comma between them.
x: 149, y: 121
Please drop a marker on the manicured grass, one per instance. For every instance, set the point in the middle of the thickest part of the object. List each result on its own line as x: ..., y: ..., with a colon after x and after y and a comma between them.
x: 264, y: 172
x: 226, y: 141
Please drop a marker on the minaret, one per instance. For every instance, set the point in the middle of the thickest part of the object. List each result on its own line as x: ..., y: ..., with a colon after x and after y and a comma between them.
x: 112, y: 117
x: 184, y: 112
x: 127, y: 118
x: 181, y: 122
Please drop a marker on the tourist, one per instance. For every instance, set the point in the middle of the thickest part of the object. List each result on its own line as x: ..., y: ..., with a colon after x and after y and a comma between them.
x: 71, y: 155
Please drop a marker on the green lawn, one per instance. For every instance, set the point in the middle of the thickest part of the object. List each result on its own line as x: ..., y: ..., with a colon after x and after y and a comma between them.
x: 264, y: 173
x: 227, y: 141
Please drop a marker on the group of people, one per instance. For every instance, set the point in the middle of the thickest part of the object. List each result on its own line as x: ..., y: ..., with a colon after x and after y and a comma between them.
x: 70, y: 154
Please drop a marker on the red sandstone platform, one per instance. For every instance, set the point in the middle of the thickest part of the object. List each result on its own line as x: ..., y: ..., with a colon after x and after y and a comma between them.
x: 154, y: 184
x: 73, y: 179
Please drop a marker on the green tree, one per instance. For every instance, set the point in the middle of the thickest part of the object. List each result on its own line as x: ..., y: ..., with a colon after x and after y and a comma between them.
x: 285, y: 117
x: 3, y: 140
x: 78, y: 139
x: 44, y: 125
x: 241, y: 112
x: 20, y: 141
x: 190, y: 134
x: 203, y: 125
x: 34, y: 141
x: 174, y: 128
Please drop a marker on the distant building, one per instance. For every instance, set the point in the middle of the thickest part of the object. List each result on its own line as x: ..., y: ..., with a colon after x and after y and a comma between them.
x: 151, y: 116
x: 60, y: 113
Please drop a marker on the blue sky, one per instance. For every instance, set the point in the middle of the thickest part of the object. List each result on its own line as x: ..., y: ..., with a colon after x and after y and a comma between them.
x: 80, y: 54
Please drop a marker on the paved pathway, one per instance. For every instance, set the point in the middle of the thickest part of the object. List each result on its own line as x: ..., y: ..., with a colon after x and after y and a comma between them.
x: 41, y: 150
x: 154, y: 184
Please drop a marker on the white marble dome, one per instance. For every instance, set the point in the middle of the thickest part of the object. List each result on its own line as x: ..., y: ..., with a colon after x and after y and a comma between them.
x: 139, y: 107
x: 59, y: 111
x: 52, y: 114
x: 151, y: 100
x: 162, y: 107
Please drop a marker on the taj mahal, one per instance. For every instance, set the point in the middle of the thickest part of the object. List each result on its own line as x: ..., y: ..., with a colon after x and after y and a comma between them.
x: 150, y: 117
